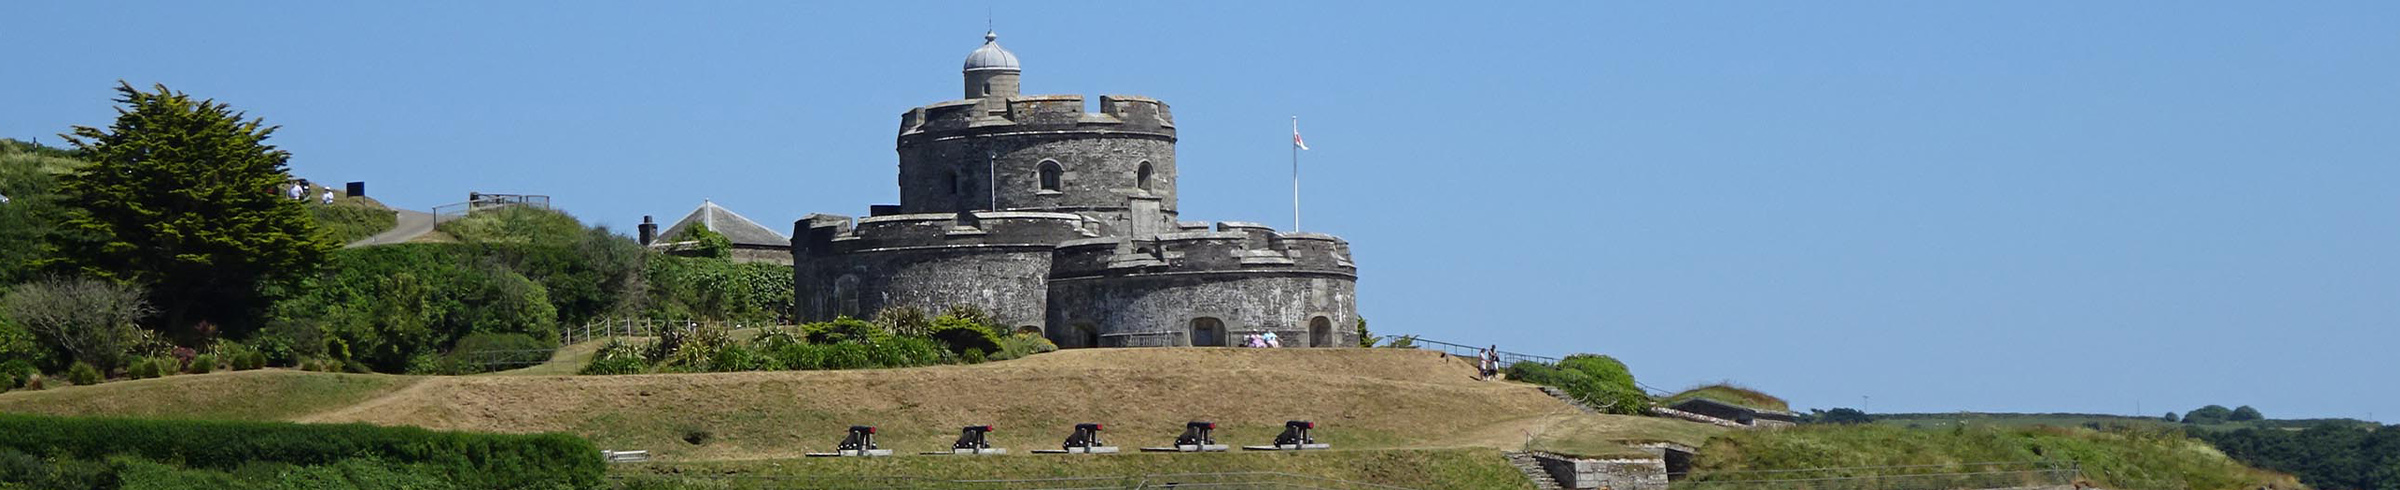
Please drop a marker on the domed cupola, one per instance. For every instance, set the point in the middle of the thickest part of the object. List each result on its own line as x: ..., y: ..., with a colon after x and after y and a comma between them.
x: 991, y: 70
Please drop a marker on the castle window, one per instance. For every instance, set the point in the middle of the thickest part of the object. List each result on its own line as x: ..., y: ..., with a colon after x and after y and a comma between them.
x: 1051, y: 173
x: 987, y: 88
x: 955, y: 182
x: 1208, y: 332
x: 1141, y: 176
x: 1320, y: 332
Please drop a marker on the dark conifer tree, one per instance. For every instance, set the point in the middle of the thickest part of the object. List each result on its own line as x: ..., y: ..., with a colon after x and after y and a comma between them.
x: 182, y: 198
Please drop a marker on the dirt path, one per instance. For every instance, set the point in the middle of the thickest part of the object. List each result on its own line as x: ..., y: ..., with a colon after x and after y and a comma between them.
x: 412, y: 224
x: 360, y: 409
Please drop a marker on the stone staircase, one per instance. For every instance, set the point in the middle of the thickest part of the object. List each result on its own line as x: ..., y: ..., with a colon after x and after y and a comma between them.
x: 1562, y: 395
x: 1533, y: 470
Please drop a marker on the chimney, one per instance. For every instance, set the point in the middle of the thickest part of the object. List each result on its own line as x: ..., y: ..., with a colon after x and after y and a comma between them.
x: 649, y: 230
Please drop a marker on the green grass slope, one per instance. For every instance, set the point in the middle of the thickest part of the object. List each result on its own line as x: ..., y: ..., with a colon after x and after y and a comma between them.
x: 1730, y: 393
x: 2125, y: 460
x: 260, y: 395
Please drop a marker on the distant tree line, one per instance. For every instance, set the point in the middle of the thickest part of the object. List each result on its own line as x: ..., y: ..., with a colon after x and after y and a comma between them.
x: 2328, y: 455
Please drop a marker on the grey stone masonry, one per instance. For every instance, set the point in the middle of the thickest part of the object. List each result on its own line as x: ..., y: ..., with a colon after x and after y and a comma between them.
x: 1064, y: 221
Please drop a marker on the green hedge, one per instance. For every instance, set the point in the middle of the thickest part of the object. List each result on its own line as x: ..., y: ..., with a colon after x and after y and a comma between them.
x: 1600, y: 381
x: 469, y: 460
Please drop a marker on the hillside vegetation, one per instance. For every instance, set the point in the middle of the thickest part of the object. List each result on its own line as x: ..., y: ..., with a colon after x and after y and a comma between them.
x: 1730, y: 394
x: 2127, y: 459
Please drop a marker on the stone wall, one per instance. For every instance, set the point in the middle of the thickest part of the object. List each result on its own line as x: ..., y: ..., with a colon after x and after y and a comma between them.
x: 1160, y: 309
x: 955, y: 155
x: 1615, y: 473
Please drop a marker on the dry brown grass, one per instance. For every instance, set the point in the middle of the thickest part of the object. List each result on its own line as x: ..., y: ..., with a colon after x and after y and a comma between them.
x: 1361, y: 399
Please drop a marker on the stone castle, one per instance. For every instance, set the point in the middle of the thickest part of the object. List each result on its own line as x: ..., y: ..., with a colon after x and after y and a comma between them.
x: 1064, y: 222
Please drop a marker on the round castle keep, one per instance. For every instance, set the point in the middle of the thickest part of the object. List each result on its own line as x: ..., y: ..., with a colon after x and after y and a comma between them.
x: 1064, y: 222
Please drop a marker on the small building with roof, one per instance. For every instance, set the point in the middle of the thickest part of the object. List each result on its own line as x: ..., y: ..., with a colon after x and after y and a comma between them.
x: 751, y: 241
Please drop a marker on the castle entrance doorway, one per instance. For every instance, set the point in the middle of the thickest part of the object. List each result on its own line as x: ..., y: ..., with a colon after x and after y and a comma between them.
x: 1208, y: 332
x: 1320, y: 332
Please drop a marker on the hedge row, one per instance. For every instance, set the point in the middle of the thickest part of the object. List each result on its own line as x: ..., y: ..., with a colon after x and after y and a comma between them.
x: 469, y: 460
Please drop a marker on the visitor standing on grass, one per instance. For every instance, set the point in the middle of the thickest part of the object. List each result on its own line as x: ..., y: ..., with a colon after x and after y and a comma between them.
x: 329, y: 196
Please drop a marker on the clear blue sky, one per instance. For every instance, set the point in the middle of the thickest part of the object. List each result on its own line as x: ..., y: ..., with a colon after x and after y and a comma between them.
x: 2022, y: 206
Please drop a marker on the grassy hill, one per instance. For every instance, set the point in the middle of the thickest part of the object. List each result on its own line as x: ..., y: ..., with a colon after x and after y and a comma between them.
x: 2122, y: 459
x: 1730, y: 394
x: 1361, y: 398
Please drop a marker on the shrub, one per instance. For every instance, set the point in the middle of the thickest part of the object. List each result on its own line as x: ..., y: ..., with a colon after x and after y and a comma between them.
x: 904, y: 320
x: 202, y: 364
x: 15, y: 372
x: 83, y: 373
x: 1021, y: 345
x: 390, y: 305
x: 973, y: 356
x: 1599, y: 381
x: 616, y: 357
x: 141, y: 369
x: 737, y: 357
x: 465, y: 459
x: 16, y: 344
x: 84, y: 320
x: 844, y: 329
x: 959, y: 337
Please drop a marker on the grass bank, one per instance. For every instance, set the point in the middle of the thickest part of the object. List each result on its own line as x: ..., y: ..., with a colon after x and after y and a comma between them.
x: 2125, y: 459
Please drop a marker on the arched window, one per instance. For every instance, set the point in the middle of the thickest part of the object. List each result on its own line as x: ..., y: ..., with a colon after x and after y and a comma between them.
x: 1051, y: 173
x: 845, y: 295
x: 1208, y: 332
x: 1320, y: 332
x: 1141, y: 176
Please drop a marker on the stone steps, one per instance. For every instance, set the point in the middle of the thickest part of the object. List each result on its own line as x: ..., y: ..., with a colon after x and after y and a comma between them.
x: 1562, y: 395
x: 1533, y: 471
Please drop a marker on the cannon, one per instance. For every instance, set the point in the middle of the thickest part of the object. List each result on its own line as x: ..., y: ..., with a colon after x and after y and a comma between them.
x: 1085, y: 440
x: 860, y: 442
x: 1295, y: 437
x: 1198, y: 436
x: 971, y: 441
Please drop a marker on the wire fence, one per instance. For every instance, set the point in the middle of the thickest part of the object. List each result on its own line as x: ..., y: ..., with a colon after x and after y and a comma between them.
x: 637, y: 327
x: 1463, y: 350
x: 1224, y: 481
x: 479, y: 201
x: 1994, y: 475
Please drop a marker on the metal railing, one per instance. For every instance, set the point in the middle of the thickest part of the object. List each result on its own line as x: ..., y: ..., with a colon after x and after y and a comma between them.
x: 637, y: 327
x: 1998, y: 475
x: 1258, y: 480
x: 1463, y: 350
x: 480, y: 201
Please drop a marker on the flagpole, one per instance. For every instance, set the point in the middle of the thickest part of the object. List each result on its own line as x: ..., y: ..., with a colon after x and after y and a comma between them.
x: 1295, y: 174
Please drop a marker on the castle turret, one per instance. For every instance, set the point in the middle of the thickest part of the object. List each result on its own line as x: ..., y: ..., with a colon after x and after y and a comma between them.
x: 1001, y: 150
x: 991, y: 70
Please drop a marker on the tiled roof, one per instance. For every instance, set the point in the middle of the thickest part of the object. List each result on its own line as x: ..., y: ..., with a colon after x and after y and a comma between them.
x: 740, y: 230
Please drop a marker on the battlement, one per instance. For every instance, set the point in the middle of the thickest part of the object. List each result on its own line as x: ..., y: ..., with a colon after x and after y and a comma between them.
x: 1231, y: 247
x: 1036, y: 113
x: 819, y: 235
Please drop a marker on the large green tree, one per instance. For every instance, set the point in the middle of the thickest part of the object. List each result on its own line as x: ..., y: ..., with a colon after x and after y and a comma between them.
x: 181, y: 197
